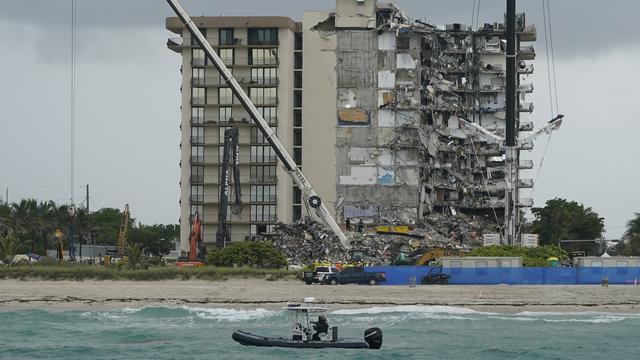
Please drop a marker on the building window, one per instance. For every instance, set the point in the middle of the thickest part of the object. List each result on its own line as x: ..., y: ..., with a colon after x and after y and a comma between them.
x: 257, y: 137
x: 297, y: 137
x: 224, y: 114
x: 198, y: 96
x: 297, y: 117
x: 265, y: 213
x: 225, y: 96
x: 297, y: 45
x: 297, y: 79
x: 262, y: 173
x: 297, y: 60
x: 226, y: 55
x: 269, y: 113
x: 197, y: 115
x: 263, y: 193
x: 197, y: 193
x: 297, y: 98
x: 197, y: 76
x: 195, y: 208
x: 197, y: 153
x: 221, y: 131
x: 193, y: 38
x: 259, y: 36
x: 297, y: 155
x: 197, y: 57
x: 297, y: 195
x: 225, y: 36
x: 197, y: 174
x: 261, y: 154
x: 263, y: 56
x: 197, y: 135
x: 264, y: 76
x: 297, y: 212
x: 265, y: 96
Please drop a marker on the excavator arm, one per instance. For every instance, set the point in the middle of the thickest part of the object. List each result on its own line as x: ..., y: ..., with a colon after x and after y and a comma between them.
x: 231, y: 144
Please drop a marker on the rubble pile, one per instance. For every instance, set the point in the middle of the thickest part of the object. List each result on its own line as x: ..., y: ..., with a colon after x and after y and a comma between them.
x: 306, y: 241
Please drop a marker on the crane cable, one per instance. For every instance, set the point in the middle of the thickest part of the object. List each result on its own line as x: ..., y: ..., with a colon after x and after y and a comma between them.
x: 73, y: 97
x: 553, y: 94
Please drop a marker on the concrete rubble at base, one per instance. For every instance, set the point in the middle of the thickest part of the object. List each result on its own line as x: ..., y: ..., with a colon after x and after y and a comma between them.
x: 306, y: 241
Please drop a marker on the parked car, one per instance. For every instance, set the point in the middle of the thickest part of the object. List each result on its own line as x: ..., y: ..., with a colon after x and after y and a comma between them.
x: 354, y: 275
x: 318, y: 274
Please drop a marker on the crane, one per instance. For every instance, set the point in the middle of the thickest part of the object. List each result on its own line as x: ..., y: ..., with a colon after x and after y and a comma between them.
x: 124, y: 231
x: 308, y: 192
x: 230, y: 141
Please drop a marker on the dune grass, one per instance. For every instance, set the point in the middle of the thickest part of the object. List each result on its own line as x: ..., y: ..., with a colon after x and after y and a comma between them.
x: 92, y: 272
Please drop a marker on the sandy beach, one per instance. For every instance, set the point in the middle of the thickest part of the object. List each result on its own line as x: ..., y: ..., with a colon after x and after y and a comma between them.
x: 250, y: 293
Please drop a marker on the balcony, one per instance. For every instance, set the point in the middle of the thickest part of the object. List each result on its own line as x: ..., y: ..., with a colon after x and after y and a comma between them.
x: 526, y: 53
x: 196, y: 179
x: 265, y: 100
x: 263, y: 180
x: 198, y: 61
x: 196, y: 198
x: 246, y: 61
x: 526, y: 88
x: 225, y: 100
x: 525, y: 183
x: 525, y: 107
x: 225, y: 121
x: 244, y: 81
x: 197, y: 159
x: 525, y: 202
x: 524, y: 68
x: 175, y: 44
x: 525, y: 164
x: 197, y: 140
x: 264, y: 199
x: 199, y: 100
x: 264, y: 218
x: 526, y: 126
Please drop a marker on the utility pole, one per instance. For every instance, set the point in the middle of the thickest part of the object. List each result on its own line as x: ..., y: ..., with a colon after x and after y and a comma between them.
x: 87, y: 208
x: 511, y: 156
x: 6, y: 197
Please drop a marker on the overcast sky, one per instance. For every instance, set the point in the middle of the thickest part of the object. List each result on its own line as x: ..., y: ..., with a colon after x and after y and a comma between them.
x: 128, y: 98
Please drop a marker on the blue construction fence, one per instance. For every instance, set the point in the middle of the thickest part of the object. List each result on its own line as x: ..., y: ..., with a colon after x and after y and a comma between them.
x: 401, y: 275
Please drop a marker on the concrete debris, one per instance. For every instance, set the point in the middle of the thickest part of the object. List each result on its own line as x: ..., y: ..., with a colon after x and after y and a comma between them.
x: 307, y: 241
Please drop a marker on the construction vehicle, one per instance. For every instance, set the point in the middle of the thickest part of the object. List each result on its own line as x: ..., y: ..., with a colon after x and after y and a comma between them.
x: 230, y: 141
x: 196, y: 248
x: 311, y: 198
x: 124, y: 232
x: 435, y: 276
x: 434, y: 254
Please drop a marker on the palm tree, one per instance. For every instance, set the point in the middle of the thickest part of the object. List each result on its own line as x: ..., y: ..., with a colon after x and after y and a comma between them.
x: 135, y: 255
x: 632, y: 236
x: 8, y: 248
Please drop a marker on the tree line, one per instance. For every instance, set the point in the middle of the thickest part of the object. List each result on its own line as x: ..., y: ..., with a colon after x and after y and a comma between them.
x: 31, y: 224
x: 561, y: 219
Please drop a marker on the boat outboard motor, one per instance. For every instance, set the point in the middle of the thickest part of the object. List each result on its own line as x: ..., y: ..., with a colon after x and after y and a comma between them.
x: 373, y: 337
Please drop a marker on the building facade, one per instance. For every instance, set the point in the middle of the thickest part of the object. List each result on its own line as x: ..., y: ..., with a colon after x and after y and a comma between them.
x: 368, y: 98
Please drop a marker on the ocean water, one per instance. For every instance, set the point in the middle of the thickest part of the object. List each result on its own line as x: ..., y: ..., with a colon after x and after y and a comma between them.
x: 410, y: 332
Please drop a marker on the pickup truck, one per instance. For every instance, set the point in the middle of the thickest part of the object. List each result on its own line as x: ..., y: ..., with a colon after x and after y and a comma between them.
x: 354, y: 275
x: 318, y: 274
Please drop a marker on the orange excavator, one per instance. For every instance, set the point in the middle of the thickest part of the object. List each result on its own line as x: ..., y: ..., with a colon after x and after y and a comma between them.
x: 196, y: 250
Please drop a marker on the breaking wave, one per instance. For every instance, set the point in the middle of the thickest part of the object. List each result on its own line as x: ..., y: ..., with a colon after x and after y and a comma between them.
x: 219, y: 314
x: 413, y: 309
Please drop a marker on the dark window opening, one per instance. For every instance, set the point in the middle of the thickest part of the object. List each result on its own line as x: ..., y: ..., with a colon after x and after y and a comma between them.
x: 297, y: 137
x: 260, y: 36
x: 297, y: 155
x: 402, y: 43
x: 225, y: 36
x: 298, y: 42
x: 297, y: 79
x: 297, y: 98
x: 297, y: 60
x: 297, y: 117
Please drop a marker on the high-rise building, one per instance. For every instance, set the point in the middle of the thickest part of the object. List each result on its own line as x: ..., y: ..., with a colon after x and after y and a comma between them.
x: 367, y: 97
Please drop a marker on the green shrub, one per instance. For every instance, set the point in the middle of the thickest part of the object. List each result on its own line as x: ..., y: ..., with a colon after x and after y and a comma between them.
x: 531, y: 257
x: 254, y: 254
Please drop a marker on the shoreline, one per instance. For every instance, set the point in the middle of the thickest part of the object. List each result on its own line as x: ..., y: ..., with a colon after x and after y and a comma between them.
x: 272, y: 295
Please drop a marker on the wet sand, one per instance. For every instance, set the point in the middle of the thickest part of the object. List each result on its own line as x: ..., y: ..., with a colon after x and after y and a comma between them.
x: 251, y: 293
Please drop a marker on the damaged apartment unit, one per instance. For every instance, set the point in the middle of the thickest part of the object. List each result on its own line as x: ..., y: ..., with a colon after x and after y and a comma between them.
x: 366, y: 99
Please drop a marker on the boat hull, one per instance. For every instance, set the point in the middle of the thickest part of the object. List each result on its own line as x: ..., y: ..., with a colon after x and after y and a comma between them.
x: 250, y: 339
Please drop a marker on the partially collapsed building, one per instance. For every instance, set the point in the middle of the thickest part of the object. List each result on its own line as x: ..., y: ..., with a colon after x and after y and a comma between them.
x: 367, y: 100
